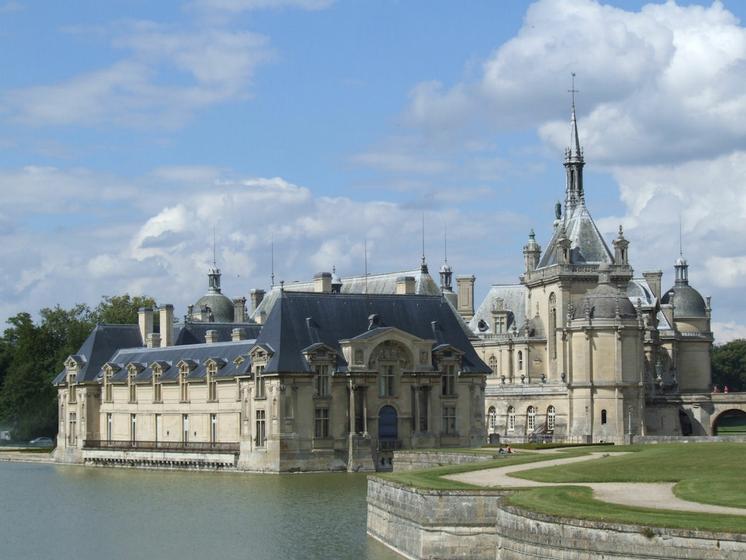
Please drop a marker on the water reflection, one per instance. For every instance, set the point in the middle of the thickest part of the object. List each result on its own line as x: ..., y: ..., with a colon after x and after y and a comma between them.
x: 54, y: 512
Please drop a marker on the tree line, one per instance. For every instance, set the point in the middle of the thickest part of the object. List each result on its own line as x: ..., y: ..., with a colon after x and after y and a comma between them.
x: 32, y: 353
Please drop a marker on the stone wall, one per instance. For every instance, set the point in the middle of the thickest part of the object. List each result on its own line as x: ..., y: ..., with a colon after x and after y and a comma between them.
x: 689, y: 439
x: 418, y: 460
x: 433, y: 524
x: 524, y: 535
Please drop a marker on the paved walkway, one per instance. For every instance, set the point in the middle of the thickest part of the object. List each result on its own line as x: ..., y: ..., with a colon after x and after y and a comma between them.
x: 656, y: 495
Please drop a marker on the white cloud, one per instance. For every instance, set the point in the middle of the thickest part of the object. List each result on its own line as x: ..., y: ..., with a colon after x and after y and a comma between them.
x: 167, y: 75
x: 725, y: 332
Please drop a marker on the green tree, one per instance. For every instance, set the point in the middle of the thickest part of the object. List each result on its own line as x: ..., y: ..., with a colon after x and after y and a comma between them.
x: 729, y: 365
x: 121, y: 310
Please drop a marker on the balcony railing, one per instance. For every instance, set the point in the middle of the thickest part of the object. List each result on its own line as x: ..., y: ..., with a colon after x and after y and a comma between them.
x: 178, y: 446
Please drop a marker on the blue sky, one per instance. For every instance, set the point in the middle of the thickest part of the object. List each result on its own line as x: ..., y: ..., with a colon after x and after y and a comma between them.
x: 131, y: 129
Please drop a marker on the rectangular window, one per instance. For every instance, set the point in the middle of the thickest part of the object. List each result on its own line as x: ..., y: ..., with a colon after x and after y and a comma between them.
x: 185, y: 428
x: 449, y: 420
x: 183, y: 385
x: 386, y: 382
x: 157, y: 388
x: 133, y: 427
x: 321, y: 424
x: 260, y: 384
x: 423, y: 409
x: 72, y: 434
x: 323, y: 385
x: 359, y: 411
x: 109, y: 422
x: 261, y: 428
x: 213, y: 428
x: 448, y: 381
x: 71, y: 388
x: 107, y: 387
x: 157, y: 428
x: 212, y: 385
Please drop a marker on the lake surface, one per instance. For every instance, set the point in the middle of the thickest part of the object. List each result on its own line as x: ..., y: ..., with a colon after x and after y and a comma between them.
x: 60, y: 512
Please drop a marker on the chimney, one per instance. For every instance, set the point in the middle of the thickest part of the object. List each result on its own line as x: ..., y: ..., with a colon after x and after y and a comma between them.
x: 145, y: 322
x: 322, y: 282
x: 466, y: 296
x: 167, y: 324
x: 153, y: 340
x: 211, y: 336
x: 238, y: 334
x: 405, y: 285
x: 239, y: 310
x: 257, y: 296
x: 654, y: 281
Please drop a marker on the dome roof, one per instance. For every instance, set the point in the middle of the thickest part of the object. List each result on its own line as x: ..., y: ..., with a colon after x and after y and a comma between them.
x: 687, y: 302
x: 606, y: 301
x: 445, y: 268
x: 220, y: 305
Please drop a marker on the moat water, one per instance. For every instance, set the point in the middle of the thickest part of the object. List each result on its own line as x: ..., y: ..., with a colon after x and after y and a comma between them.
x: 60, y: 512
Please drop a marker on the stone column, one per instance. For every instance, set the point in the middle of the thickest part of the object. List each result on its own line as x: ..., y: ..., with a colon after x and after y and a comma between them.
x: 352, y: 409
x: 365, y: 411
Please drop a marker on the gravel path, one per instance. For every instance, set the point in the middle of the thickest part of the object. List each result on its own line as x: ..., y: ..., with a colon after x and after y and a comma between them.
x: 658, y: 495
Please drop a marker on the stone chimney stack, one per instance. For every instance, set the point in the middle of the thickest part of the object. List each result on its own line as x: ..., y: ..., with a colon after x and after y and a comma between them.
x: 405, y: 285
x: 322, y: 282
x: 153, y: 340
x: 256, y: 296
x: 466, y: 296
x: 166, y: 320
x: 239, y: 310
x: 211, y: 336
x: 145, y: 322
x: 654, y: 281
x: 238, y: 334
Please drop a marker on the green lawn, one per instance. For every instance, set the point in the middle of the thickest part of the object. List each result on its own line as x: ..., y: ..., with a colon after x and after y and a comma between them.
x: 577, y: 502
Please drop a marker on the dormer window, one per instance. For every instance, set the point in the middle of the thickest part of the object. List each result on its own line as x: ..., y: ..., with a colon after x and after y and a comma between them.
x: 132, y: 372
x: 157, y: 385
x: 71, y: 379
x: 108, y: 391
x: 259, y: 382
x: 183, y: 383
x: 359, y: 357
x: 212, y: 386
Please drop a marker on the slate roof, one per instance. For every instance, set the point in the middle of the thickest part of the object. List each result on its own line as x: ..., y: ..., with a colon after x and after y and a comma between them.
x: 587, y: 245
x: 194, y: 333
x: 100, y: 345
x: 376, y: 284
x: 300, y: 319
x: 514, y: 300
x: 226, y: 352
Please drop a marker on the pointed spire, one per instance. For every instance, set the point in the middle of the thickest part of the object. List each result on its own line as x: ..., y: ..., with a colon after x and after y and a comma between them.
x: 423, y: 266
x: 213, y: 275
x: 574, y: 194
x: 574, y: 139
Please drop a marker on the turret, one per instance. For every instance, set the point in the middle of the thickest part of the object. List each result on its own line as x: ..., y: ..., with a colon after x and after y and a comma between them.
x: 574, y: 163
x: 621, y: 256
x: 531, y: 252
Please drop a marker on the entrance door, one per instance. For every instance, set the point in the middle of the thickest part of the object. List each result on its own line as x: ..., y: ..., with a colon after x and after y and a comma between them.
x: 388, y: 423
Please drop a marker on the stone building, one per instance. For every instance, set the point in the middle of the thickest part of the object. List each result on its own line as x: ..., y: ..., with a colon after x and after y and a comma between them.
x: 329, y: 380
x: 583, y: 350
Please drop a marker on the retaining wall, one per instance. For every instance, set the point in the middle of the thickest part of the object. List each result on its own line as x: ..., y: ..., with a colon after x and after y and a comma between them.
x: 418, y: 460
x: 523, y: 535
x: 433, y: 524
x: 689, y: 439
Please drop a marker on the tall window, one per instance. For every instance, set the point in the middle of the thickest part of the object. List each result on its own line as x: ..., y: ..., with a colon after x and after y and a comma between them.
x: 603, y: 416
x: 448, y: 381
x: 553, y: 326
x: 133, y: 427
x: 183, y: 384
x: 551, y: 418
x: 157, y: 387
x: 71, y: 388
x: 520, y: 360
x: 492, y: 419
x: 109, y: 423
x: 321, y: 422
x: 72, y: 429
x: 213, y: 428
x: 449, y: 420
x: 423, y: 408
x: 212, y: 385
x: 185, y: 428
x: 132, y: 386
x: 323, y: 385
x: 157, y: 429
x: 511, y: 419
x: 493, y: 364
x: 259, y: 383
x: 107, y: 385
x: 386, y: 382
x: 531, y: 419
x: 261, y: 428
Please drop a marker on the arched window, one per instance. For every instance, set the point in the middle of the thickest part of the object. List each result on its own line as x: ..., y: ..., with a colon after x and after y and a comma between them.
x: 551, y: 418
x: 493, y: 364
x: 511, y: 419
x: 520, y: 360
x: 603, y: 416
x: 530, y: 419
x: 492, y: 419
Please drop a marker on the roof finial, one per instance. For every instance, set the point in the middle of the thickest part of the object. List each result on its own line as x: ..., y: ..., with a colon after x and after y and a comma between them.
x: 574, y: 139
x: 423, y: 266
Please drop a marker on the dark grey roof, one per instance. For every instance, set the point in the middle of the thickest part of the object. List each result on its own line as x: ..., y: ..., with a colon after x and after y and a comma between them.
x: 587, y: 245
x: 103, y: 341
x: 226, y: 352
x: 605, y: 301
x: 194, y: 332
x: 220, y: 305
x: 511, y: 297
x: 687, y: 301
x: 335, y: 317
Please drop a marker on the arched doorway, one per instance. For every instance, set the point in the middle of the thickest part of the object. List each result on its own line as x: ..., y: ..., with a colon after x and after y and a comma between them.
x: 388, y: 424
x: 730, y: 422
